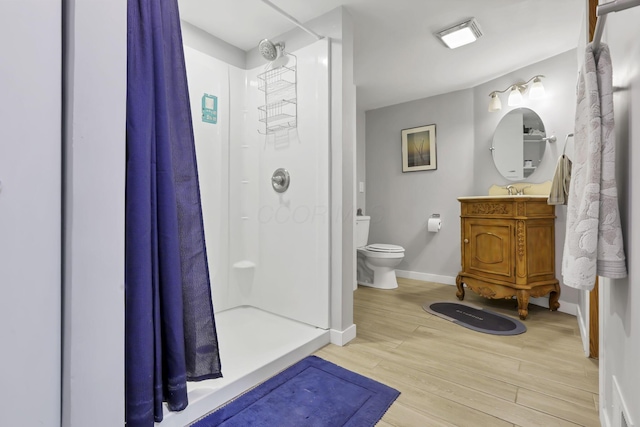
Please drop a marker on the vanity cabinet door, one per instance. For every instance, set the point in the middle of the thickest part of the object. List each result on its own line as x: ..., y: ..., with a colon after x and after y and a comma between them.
x: 488, y: 248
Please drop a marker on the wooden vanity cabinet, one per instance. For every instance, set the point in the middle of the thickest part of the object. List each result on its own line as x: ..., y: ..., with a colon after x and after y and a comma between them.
x: 508, y: 249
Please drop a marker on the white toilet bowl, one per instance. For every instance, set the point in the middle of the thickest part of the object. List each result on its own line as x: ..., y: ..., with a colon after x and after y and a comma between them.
x: 377, y: 263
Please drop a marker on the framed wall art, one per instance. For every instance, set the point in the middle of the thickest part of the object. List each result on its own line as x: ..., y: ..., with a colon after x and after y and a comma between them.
x: 419, y: 149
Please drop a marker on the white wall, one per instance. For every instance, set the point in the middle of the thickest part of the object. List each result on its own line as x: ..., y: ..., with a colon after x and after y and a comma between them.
x: 348, y: 146
x: 93, y: 228
x: 212, y: 46
x: 361, y: 159
x: 557, y: 111
x: 292, y: 277
x: 30, y: 212
x: 266, y: 249
x: 244, y: 197
x: 620, y: 299
x: 338, y: 26
x: 400, y: 203
x: 207, y: 75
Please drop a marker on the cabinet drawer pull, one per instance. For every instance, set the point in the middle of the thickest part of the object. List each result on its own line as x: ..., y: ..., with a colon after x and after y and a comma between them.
x: 466, y: 240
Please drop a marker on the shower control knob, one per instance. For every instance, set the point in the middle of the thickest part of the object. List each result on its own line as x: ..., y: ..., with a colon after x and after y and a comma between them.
x: 280, y: 180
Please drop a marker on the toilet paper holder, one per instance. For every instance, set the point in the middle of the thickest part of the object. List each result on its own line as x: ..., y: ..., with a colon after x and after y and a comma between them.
x: 434, y: 223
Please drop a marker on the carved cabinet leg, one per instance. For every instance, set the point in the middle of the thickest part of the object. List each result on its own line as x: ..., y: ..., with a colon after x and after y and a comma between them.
x: 553, y: 300
x: 523, y: 303
x: 460, y: 285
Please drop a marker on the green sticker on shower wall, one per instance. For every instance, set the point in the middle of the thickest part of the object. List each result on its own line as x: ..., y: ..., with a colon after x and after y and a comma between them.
x: 209, y: 108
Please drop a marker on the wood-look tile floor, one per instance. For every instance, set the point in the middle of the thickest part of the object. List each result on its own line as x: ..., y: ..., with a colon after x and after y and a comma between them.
x: 449, y: 375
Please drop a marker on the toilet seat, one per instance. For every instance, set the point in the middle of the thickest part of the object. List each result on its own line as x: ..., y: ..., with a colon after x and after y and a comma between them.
x: 384, y: 248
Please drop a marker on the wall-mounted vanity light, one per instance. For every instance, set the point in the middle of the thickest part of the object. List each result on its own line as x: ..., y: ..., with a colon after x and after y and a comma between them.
x: 515, y: 93
x: 460, y: 34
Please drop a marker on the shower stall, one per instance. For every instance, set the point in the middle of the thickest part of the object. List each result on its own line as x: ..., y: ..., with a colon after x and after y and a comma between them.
x: 268, y: 250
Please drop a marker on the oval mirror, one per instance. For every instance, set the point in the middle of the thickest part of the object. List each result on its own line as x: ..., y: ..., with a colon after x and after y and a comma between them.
x: 518, y: 144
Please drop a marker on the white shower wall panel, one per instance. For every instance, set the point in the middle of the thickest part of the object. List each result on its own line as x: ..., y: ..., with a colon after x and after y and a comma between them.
x: 265, y: 249
x: 243, y: 196
x: 293, y: 274
x: 207, y: 75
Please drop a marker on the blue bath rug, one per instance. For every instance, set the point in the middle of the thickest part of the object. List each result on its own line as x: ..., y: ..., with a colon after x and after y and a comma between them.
x: 476, y: 318
x: 313, y: 392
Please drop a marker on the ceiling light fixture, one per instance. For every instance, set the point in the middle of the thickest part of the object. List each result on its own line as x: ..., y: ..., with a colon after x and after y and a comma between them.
x: 460, y: 34
x: 515, y: 93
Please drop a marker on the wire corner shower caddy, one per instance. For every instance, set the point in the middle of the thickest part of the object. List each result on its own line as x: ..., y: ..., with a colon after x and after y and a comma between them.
x: 280, y: 110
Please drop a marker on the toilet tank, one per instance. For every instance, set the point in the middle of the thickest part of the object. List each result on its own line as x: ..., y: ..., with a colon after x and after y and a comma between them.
x: 362, y: 230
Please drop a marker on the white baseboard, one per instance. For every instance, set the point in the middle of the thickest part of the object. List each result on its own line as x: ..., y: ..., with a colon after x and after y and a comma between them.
x: 565, y: 307
x: 584, y: 331
x: 426, y: 277
x: 619, y: 409
x: 342, y: 337
x: 612, y: 415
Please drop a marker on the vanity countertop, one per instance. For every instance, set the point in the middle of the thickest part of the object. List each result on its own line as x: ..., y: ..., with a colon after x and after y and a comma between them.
x: 528, y: 188
x: 506, y: 196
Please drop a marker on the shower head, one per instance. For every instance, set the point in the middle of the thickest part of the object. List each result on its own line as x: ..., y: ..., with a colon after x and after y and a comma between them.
x: 269, y: 50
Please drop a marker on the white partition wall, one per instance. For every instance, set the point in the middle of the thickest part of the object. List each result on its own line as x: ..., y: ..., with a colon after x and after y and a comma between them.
x: 619, y: 299
x: 94, y: 204
x: 30, y: 212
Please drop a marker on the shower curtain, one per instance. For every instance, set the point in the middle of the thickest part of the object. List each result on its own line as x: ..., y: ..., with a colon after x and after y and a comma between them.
x: 170, y: 334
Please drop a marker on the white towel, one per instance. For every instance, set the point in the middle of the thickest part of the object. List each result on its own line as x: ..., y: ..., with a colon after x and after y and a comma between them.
x: 593, y: 241
x: 611, y: 258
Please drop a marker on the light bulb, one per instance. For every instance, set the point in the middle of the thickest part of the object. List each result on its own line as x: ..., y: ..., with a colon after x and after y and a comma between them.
x: 494, y: 104
x: 459, y: 38
x: 515, y: 96
x: 537, y: 89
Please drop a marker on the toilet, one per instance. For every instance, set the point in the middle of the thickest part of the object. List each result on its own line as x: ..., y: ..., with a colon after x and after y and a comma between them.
x: 376, y: 262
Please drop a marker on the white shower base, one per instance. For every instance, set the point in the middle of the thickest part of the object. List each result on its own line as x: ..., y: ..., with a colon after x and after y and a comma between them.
x: 254, y: 346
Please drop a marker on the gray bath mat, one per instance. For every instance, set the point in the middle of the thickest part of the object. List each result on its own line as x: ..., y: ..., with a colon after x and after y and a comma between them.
x: 475, y: 318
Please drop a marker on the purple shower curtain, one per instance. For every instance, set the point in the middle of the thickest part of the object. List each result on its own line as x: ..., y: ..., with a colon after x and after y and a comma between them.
x: 170, y: 334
